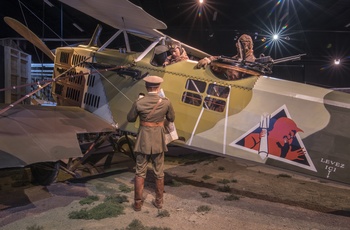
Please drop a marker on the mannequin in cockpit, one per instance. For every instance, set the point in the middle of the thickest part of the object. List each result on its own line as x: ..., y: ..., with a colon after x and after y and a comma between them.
x: 178, y: 53
x: 245, y: 52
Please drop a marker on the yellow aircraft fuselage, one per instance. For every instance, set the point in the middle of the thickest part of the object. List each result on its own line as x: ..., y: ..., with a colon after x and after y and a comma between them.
x: 218, y: 116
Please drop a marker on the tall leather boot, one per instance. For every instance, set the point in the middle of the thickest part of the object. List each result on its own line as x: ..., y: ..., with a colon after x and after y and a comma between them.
x: 158, y: 202
x: 138, y: 199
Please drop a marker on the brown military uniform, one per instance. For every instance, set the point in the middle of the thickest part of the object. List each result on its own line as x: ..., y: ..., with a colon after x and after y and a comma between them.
x: 150, y: 144
x: 151, y: 139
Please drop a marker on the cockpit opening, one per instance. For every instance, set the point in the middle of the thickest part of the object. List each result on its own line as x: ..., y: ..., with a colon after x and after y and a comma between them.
x: 159, y: 55
x: 230, y: 69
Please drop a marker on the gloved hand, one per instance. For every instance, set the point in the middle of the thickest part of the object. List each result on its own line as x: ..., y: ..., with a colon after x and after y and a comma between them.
x: 203, y: 63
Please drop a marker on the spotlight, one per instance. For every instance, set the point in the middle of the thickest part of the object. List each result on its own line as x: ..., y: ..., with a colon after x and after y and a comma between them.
x: 275, y: 37
x: 336, y: 61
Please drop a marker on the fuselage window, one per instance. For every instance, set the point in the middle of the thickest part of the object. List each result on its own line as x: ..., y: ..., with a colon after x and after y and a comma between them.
x: 214, y: 104
x: 218, y: 90
x: 216, y: 97
x: 192, y: 98
x: 195, y: 85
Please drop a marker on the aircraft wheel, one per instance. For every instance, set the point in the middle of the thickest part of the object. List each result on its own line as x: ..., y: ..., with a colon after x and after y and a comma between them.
x: 45, y: 173
x: 123, y: 146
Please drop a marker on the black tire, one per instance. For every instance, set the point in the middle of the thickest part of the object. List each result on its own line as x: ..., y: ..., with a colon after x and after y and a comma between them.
x: 45, y: 173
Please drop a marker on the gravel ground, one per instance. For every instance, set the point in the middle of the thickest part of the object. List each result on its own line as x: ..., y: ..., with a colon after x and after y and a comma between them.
x: 201, y: 191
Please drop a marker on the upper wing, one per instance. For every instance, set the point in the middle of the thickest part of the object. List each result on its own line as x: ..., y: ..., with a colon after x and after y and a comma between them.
x: 32, y: 134
x: 120, y: 14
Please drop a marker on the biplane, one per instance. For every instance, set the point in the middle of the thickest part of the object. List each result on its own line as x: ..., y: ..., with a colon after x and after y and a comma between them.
x: 289, y: 125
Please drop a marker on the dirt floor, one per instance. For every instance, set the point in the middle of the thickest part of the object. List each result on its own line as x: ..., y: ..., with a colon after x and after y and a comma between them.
x: 201, y: 191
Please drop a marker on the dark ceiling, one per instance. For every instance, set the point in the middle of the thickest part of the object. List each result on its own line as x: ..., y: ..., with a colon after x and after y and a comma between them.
x: 319, y: 28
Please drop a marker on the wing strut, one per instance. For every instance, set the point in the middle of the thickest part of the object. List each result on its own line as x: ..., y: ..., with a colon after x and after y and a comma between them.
x: 126, y: 38
x: 110, y: 40
x: 143, y: 54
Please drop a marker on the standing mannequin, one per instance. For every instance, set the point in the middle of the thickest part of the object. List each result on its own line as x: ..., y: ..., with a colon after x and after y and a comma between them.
x: 150, y: 144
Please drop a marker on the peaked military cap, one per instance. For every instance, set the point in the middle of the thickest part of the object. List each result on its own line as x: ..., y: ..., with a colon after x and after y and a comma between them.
x: 153, y: 81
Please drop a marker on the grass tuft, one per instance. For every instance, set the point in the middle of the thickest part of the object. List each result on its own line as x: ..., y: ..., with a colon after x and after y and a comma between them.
x: 88, y: 200
x: 203, y: 208
x: 124, y: 188
x: 101, y: 211
x: 231, y: 197
x: 223, y: 181
x: 163, y: 213
x: 205, y: 194
x: 116, y: 199
x: 35, y: 227
x: 206, y: 177
x: 284, y: 175
x: 224, y: 188
x: 105, y: 189
x: 137, y: 225
x: 174, y: 183
x: 111, y: 207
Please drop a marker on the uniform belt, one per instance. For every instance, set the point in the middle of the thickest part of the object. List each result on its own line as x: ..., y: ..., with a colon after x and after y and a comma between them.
x: 152, y: 124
